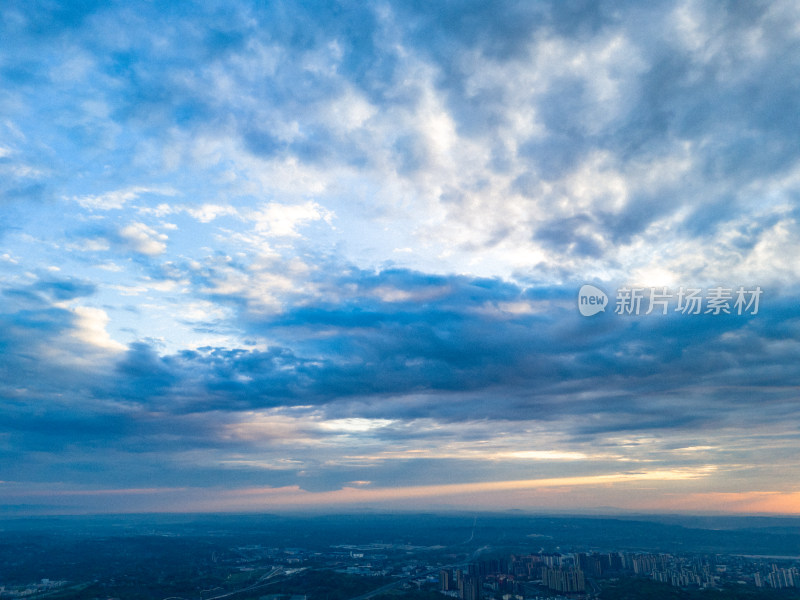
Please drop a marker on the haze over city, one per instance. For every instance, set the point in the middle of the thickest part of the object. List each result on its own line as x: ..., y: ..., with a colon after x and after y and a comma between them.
x: 326, y: 256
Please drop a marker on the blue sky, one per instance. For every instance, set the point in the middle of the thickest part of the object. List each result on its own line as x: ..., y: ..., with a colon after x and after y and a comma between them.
x: 326, y: 255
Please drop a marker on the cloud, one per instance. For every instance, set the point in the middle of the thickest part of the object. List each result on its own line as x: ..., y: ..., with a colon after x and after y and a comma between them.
x: 65, y: 289
x: 142, y: 239
x: 394, y: 390
x: 439, y: 339
x: 385, y: 214
x: 117, y: 199
x: 204, y: 213
x: 91, y: 325
x: 283, y: 220
x: 96, y: 244
x: 208, y: 212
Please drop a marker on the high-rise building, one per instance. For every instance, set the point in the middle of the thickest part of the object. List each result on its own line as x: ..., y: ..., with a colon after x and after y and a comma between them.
x: 564, y: 580
x: 472, y: 590
x: 446, y: 580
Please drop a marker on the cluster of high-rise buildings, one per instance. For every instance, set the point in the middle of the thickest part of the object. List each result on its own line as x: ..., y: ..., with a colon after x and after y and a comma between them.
x: 778, y: 578
x: 507, y: 578
x: 569, y: 581
x: 465, y: 586
x: 577, y: 573
x: 682, y: 576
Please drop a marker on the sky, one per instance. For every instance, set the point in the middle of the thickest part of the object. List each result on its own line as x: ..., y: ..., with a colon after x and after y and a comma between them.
x: 330, y: 256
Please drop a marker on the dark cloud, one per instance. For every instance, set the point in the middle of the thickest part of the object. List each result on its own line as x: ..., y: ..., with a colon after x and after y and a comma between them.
x: 566, y: 237
x: 65, y: 289
x: 52, y: 18
x: 448, y: 334
x: 502, y: 30
x: 443, y: 350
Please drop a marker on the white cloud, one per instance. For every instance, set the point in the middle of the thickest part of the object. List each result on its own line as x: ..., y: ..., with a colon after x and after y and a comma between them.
x: 547, y: 455
x: 350, y: 111
x: 90, y: 245
x: 162, y: 210
x: 129, y: 290
x: 118, y: 198
x: 203, y: 311
x: 90, y: 327
x: 144, y: 240
x: 276, y: 219
x: 394, y: 294
x: 205, y: 213
x: 355, y: 424
x: 208, y: 212
x: 109, y: 266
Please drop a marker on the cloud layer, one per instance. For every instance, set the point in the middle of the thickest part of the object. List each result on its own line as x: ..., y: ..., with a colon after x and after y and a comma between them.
x: 259, y: 256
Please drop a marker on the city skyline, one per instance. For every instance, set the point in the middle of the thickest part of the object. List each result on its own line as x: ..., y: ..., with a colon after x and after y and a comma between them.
x: 327, y: 256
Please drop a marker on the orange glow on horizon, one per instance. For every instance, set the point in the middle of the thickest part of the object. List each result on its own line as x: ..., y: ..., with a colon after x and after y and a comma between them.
x: 654, y: 491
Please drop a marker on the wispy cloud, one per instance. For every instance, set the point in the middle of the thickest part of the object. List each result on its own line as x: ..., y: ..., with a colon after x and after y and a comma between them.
x: 117, y: 199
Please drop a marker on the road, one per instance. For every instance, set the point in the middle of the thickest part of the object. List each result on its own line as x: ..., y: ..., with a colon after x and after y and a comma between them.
x: 265, y: 580
x: 399, y: 582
